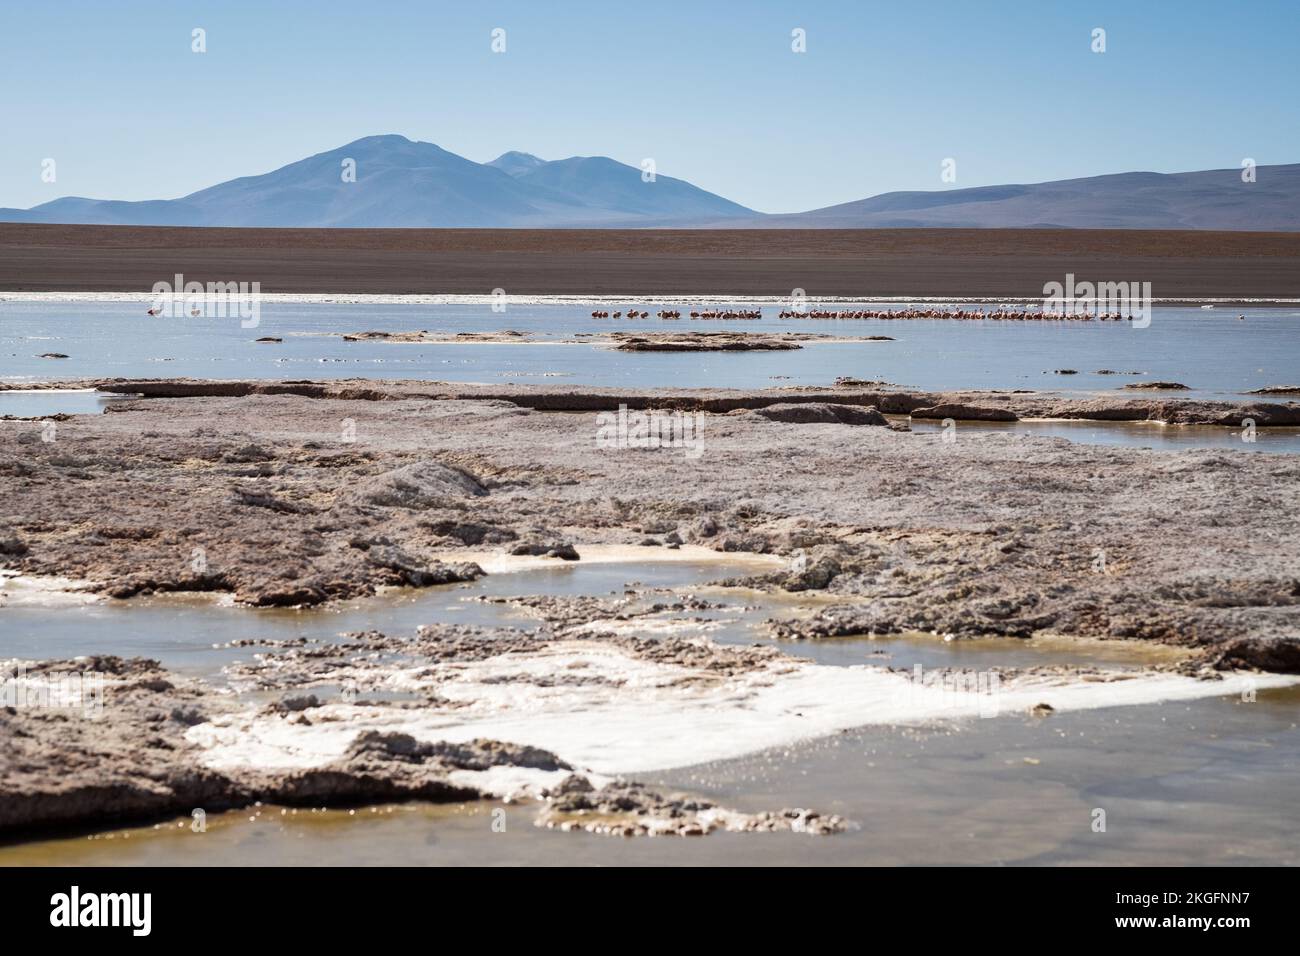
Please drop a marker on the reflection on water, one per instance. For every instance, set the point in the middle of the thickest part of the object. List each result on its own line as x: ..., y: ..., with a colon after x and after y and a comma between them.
x: 1210, y: 351
x: 1207, y: 782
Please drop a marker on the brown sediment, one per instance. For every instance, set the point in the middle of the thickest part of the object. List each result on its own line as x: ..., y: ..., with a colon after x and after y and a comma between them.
x: 966, y: 412
x: 807, y: 413
x: 1000, y: 263
x: 425, y: 336
x: 39, y: 386
x: 710, y: 341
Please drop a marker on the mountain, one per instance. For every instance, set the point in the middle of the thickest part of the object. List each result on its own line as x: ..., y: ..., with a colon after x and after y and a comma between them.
x: 617, y: 189
x: 403, y: 183
x: 1211, y: 199
x: 516, y: 163
x: 400, y: 182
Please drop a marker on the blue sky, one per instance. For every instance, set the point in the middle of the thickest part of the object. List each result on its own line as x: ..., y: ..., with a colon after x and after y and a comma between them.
x: 712, y: 91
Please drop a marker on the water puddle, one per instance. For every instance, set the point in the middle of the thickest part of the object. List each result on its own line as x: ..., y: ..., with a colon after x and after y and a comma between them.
x: 193, y: 634
x: 33, y: 403
x: 190, y: 633
x: 1131, y: 434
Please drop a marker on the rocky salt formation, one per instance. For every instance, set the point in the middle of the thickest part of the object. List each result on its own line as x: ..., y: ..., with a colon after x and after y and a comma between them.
x: 1277, y: 390
x: 147, y: 751
x: 960, y: 411
x: 561, y: 715
x: 805, y: 413
x: 306, y: 493
x: 629, y: 809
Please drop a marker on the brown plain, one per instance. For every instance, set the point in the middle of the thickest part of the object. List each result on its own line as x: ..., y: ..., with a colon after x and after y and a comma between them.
x: 1010, y: 263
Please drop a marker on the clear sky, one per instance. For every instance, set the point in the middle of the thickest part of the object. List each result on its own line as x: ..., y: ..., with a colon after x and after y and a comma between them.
x: 711, y: 90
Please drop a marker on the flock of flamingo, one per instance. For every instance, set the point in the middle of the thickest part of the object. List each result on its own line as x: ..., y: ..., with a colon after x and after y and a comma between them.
x: 1000, y: 314
x: 1004, y: 314
x: 676, y: 314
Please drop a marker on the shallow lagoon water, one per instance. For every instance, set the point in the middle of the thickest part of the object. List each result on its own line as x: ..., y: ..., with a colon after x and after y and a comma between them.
x: 48, y: 401
x: 1206, y: 781
x: 180, y: 630
x: 1211, y: 781
x: 1209, y: 350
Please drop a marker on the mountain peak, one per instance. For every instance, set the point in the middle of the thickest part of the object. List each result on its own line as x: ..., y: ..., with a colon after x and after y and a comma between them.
x: 516, y: 163
x: 382, y: 139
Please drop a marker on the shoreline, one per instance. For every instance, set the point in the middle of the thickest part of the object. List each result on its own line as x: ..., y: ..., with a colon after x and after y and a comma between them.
x: 962, y: 405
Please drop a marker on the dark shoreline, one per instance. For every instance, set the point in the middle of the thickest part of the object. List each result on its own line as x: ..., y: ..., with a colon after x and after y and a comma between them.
x: 1010, y: 263
x: 959, y: 405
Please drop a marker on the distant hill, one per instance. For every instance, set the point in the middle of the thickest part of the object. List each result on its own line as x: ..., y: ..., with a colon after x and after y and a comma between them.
x: 403, y: 183
x: 1212, y: 199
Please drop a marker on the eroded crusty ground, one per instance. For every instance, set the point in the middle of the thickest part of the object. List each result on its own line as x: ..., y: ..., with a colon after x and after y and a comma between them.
x: 285, y: 499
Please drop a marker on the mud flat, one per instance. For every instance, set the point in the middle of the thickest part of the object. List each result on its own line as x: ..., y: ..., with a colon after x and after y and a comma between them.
x: 258, y: 491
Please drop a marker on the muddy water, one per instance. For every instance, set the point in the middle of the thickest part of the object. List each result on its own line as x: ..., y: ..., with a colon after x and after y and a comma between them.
x: 1211, y: 781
